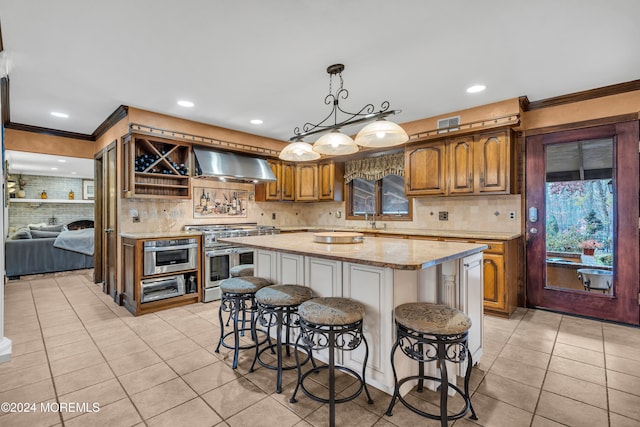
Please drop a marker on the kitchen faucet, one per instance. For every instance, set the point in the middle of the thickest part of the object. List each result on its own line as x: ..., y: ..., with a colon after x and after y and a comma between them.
x: 373, y: 219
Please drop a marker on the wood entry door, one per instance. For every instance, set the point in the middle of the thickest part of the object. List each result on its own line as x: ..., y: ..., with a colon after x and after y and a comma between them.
x: 106, y: 219
x: 620, y: 303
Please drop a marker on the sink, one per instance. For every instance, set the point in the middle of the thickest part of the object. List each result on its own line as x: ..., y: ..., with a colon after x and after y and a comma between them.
x: 593, y: 278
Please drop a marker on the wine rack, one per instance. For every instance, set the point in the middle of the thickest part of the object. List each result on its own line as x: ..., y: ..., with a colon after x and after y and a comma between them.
x: 156, y: 167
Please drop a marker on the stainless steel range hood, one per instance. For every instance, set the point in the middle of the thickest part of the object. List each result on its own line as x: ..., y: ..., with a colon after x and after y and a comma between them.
x: 227, y: 166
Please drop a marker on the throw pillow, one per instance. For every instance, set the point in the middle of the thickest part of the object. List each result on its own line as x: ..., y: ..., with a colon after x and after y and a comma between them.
x: 42, y: 234
x: 57, y: 228
x: 24, y: 233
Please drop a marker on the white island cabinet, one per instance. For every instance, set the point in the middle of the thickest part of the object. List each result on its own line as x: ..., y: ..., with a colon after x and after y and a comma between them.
x: 381, y: 273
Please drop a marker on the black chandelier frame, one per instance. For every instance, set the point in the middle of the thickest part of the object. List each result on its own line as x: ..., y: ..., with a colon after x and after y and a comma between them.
x: 366, y: 113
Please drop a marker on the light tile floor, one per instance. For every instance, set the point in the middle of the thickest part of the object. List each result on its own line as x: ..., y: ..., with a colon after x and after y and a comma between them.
x: 72, y: 344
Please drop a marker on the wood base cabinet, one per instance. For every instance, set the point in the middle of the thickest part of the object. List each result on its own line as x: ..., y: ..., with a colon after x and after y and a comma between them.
x: 501, y: 272
x: 133, y: 278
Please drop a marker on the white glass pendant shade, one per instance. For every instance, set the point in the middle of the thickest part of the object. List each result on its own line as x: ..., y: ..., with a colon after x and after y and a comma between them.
x: 381, y: 133
x: 299, y: 151
x: 335, y: 143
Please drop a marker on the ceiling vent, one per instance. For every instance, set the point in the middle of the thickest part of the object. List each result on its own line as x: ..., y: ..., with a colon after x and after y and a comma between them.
x: 449, y: 124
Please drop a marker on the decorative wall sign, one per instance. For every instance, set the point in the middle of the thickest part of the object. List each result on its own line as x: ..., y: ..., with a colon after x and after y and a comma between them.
x: 88, y: 189
x: 219, y: 203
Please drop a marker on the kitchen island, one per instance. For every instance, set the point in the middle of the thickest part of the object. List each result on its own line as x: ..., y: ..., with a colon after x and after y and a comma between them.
x: 382, y: 273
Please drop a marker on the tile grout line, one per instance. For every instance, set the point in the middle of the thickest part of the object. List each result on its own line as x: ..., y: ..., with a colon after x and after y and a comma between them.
x: 46, y: 352
x: 101, y: 353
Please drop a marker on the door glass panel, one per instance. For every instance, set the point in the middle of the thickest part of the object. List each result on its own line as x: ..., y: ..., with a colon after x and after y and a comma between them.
x: 579, y: 216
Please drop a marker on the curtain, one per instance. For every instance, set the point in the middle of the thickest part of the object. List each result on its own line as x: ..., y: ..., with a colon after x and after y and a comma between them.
x: 374, y: 168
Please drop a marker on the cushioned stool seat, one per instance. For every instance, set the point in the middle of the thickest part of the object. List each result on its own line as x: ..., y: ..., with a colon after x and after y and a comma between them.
x: 240, y: 285
x: 433, y: 333
x: 238, y: 298
x: 332, y: 323
x: 278, y: 306
x: 241, y: 270
x: 332, y: 311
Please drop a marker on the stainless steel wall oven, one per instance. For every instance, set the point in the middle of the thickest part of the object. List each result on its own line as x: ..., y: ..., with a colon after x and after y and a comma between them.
x: 220, y: 257
x: 218, y: 263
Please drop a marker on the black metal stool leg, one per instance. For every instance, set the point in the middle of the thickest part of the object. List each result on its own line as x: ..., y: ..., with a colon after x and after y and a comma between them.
x: 236, y: 334
x: 299, y: 366
x: 222, y: 302
x: 396, y: 387
x: 332, y: 380
x: 444, y: 385
x: 364, y: 370
x: 279, y: 350
x: 467, y: 377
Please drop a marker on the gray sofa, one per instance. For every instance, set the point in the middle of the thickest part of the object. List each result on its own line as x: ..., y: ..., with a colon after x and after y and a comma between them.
x: 36, y: 254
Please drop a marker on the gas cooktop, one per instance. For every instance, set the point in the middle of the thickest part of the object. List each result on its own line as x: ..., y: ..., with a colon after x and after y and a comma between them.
x: 212, y: 232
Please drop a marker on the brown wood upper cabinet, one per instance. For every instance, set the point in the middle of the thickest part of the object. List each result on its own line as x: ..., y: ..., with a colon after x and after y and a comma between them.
x: 482, y: 163
x: 303, y: 182
x: 307, y: 182
x: 155, y: 167
x: 283, y: 188
x: 425, y: 164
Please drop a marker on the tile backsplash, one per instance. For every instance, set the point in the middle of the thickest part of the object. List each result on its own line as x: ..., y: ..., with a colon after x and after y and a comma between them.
x: 21, y: 214
x: 474, y: 213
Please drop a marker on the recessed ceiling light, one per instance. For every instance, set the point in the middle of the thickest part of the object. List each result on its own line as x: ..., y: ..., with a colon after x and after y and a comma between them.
x: 256, y: 122
x: 74, y: 173
x: 61, y: 115
x: 184, y: 103
x: 476, y: 88
x: 62, y: 160
x: 54, y: 169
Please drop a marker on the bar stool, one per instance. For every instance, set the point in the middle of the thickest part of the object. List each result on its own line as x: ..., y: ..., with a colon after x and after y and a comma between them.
x: 433, y: 333
x: 242, y: 270
x: 331, y: 323
x: 238, y: 298
x: 278, y: 306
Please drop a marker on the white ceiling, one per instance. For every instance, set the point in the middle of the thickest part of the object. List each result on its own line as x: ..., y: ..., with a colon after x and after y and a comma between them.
x: 246, y: 59
x: 21, y: 162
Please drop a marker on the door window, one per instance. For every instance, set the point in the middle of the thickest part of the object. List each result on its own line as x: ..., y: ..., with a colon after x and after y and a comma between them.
x: 579, y: 215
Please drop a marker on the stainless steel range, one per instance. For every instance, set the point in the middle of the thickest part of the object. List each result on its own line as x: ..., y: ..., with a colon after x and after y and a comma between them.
x: 220, y: 257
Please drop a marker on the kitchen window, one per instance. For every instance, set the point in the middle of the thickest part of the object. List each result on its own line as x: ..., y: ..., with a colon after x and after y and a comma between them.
x: 375, y: 185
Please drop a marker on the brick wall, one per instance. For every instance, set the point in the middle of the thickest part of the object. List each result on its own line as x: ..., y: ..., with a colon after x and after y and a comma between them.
x: 21, y: 214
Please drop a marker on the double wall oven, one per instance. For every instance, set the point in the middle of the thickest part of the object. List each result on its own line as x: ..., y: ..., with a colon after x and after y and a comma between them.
x: 220, y: 257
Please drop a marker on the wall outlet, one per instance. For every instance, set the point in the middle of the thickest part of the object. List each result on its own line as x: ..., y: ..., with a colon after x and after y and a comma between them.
x: 273, y: 215
x: 512, y: 215
x: 443, y: 216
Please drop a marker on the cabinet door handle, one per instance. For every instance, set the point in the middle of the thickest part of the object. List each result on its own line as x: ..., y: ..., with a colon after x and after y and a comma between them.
x: 470, y: 177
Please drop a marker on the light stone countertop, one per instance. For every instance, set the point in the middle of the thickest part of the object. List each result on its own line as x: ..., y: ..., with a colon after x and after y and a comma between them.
x: 398, y: 254
x: 461, y: 234
x: 161, y: 235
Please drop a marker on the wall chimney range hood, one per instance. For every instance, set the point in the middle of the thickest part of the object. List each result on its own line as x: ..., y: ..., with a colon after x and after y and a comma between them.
x: 228, y: 166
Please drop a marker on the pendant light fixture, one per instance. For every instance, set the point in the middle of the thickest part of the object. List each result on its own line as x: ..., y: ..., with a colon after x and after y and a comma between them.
x: 381, y: 133
x: 299, y: 151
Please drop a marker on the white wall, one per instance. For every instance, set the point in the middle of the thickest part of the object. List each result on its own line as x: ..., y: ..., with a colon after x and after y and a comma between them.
x: 5, y: 343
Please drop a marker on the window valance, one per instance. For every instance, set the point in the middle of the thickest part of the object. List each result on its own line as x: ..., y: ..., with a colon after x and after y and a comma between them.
x: 374, y: 168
